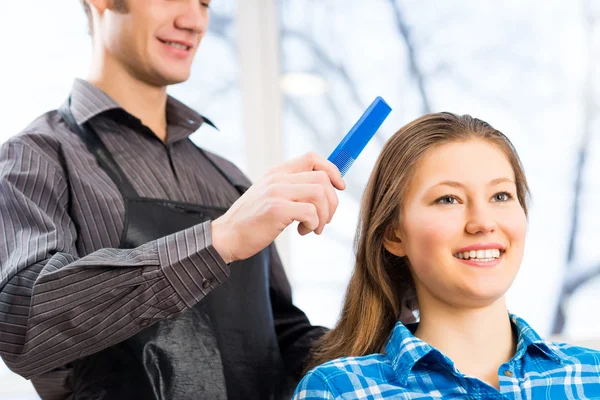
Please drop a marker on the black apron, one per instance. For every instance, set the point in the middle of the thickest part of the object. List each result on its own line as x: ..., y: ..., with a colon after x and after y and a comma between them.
x: 223, y: 347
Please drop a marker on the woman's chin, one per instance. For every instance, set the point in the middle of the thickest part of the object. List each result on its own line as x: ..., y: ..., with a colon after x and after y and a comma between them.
x: 481, y: 296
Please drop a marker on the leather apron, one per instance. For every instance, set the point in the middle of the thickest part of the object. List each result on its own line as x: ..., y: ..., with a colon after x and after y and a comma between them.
x: 225, y: 347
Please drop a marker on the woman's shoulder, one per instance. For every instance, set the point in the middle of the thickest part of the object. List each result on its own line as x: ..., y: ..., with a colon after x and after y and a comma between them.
x: 352, y: 365
x: 346, y: 375
x: 564, y: 353
x: 575, y: 354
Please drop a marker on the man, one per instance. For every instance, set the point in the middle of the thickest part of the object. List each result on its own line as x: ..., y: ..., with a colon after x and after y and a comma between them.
x: 130, y: 265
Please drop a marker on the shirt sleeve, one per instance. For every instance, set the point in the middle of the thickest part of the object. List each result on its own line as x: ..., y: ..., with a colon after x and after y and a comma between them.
x: 55, y: 306
x: 313, y: 387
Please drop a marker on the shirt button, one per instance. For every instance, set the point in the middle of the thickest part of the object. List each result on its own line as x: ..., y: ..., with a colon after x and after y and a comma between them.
x: 206, y: 283
x: 144, y: 322
x: 508, y: 373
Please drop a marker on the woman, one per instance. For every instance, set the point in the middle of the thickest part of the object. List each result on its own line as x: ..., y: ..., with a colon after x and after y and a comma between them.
x: 441, y: 236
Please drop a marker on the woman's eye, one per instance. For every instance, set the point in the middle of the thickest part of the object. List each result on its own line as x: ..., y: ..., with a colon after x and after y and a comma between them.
x: 502, y: 197
x: 205, y: 5
x: 447, y: 200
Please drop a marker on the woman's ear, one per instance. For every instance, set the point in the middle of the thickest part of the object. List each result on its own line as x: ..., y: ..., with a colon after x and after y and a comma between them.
x: 393, y: 243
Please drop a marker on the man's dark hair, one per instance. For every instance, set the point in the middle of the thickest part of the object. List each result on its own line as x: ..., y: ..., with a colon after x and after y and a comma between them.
x: 119, y: 5
x: 88, y: 13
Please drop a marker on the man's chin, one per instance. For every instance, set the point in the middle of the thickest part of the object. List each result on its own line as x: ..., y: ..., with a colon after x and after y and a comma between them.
x: 175, y: 79
x: 169, y: 78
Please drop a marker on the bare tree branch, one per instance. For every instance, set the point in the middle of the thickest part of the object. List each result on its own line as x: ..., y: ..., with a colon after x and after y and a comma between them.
x: 415, y: 70
x: 339, y: 69
x: 569, y: 286
x: 573, y: 283
x: 220, y: 27
x: 324, y: 58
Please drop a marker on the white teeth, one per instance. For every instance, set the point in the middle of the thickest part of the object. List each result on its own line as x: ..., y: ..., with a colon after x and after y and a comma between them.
x: 178, y: 45
x: 479, y: 255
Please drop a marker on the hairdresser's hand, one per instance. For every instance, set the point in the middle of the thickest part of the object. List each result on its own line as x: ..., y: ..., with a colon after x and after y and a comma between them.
x: 302, y: 189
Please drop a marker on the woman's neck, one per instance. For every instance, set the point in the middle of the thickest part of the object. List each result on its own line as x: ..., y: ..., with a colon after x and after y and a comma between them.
x: 477, y: 340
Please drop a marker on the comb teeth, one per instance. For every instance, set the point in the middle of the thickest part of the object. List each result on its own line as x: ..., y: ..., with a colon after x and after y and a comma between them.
x: 343, y: 161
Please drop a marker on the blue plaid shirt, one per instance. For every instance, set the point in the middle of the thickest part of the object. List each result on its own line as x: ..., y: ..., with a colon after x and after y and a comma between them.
x: 412, y: 369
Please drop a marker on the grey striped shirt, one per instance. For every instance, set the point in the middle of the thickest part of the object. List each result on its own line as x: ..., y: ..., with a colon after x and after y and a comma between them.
x: 66, y: 289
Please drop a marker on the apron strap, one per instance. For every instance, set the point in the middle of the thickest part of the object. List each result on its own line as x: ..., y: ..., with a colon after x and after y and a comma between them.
x: 92, y: 141
x: 229, y: 171
x: 106, y: 161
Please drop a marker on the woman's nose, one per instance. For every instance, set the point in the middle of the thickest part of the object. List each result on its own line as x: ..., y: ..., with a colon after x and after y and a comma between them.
x: 480, y: 220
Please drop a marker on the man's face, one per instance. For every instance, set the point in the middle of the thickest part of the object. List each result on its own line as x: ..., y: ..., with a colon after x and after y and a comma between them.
x: 154, y: 40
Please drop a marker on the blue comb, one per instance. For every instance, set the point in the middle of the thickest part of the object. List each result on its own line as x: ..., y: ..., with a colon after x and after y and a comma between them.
x: 355, y: 141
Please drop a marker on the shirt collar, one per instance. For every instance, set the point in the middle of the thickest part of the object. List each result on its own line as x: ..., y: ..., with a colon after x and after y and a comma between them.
x: 89, y: 101
x: 528, y: 340
x: 405, y: 350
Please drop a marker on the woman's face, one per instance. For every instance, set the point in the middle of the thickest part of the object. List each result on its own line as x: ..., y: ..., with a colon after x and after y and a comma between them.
x: 462, y: 227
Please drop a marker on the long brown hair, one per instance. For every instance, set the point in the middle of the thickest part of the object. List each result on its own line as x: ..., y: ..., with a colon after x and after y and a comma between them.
x: 381, y: 290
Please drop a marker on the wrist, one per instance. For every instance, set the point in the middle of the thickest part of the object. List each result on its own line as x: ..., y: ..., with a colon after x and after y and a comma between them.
x: 220, y: 241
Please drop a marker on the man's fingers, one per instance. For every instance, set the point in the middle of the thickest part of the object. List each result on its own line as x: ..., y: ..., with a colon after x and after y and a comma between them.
x: 309, y: 179
x: 303, y: 230
x: 321, y: 178
x: 312, y: 162
x: 306, y: 214
x: 310, y: 193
